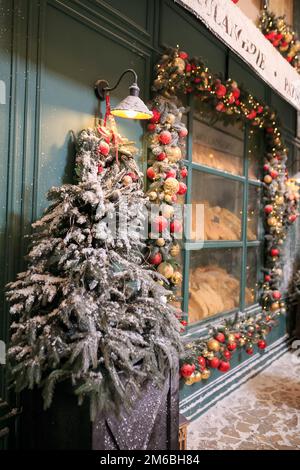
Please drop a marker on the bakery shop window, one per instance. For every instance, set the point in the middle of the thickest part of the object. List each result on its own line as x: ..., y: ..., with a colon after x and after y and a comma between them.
x: 222, y: 270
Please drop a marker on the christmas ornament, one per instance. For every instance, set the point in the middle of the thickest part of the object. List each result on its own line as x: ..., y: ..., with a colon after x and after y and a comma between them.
x: 175, y: 250
x: 165, y: 137
x: 261, y: 344
x: 151, y: 173
x: 224, y: 366
x: 214, y: 363
x: 201, y: 361
x: 186, y: 370
x: 213, y: 345
x: 155, y: 259
x: 160, y: 242
x: 127, y: 180
x: 166, y: 269
x: 173, y: 154
x: 205, y: 374
x: 104, y: 148
x: 176, y: 278
x: 171, y: 185
x: 220, y: 337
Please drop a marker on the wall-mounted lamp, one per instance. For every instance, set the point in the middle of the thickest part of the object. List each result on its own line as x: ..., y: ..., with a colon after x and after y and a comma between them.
x: 131, y: 107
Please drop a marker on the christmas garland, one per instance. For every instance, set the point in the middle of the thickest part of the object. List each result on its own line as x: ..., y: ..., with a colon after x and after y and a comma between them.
x: 281, y: 35
x: 177, y: 74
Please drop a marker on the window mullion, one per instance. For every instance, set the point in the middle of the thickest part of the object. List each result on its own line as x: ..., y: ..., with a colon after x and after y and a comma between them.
x: 244, y: 220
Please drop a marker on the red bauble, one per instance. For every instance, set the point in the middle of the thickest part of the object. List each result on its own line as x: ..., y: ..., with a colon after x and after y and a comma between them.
x: 188, y: 67
x: 274, y: 252
x: 260, y: 109
x: 274, y: 174
x: 100, y: 169
x: 155, y: 259
x: 261, y: 344
x: 266, y: 167
x: 267, y: 278
x: 151, y: 173
x: 214, y: 362
x: 184, y: 322
x: 175, y: 226
x: 182, y: 189
x: 165, y: 137
x: 231, y: 346
x: 237, y: 335
x: 276, y: 295
x: 151, y: 127
x: 183, y: 132
x: 156, y: 116
x: 220, y: 337
x: 231, y: 98
x: 249, y: 351
x: 220, y: 106
x: 171, y: 174
x: 268, y: 209
x: 161, y: 156
x: 133, y: 176
x: 227, y: 354
x: 187, y: 369
x: 221, y: 90
x: 236, y: 93
x: 292, y: 217
x: 235, y: 1
x: 224, y: 366
x: 160, y: 223
x: 251, y: 115
x: 202, y: 361
x: 103, y: 148
x: 184, y: 172
x: 183, y: 55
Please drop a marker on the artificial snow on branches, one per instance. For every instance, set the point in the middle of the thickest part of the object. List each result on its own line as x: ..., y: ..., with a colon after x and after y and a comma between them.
x: 89, y: 309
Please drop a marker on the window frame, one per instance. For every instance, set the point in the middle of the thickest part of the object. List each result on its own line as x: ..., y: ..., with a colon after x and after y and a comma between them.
x: 189, y: 246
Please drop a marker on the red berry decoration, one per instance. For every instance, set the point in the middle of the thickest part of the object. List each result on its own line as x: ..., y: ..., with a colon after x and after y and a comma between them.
x: 267, y: 278
x: 249, y: 351
x: 214, y: 362
x: 236, y: 93
x: 231, y: 346
x: 261, y: 344
x: 221, y: 90
x: 155, y: 259
x: 234, y: 1
x: 274, y: 252
x: 227, y: 354
x: 220, y: 106
x: 182, y: 189
x: 165, y: 137
x: 276, y: 295
x: 251, y: 115
x: 187, y: 369
x: 266, y: 167
x: 188, y: 67
x: 224, y: 366
x: 292, y: 217
x: 184, y: 172
x: 260, y: 109
x: 202, y: 361
x: 100, y: 169
x: 162, y: 156
x: 151, y: 173
x: 175, y: 226
x: 268, y: 209
x: 103, y: 148
x: 156, y: 116
x: 237, y: 335
x: 160, y: 223
x: 220, y: 337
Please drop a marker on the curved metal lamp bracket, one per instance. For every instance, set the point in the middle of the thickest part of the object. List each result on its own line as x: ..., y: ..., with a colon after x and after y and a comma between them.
x: 102, y: 86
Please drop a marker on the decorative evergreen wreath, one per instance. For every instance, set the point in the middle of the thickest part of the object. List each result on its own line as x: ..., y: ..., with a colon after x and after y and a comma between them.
x: 176, y: 74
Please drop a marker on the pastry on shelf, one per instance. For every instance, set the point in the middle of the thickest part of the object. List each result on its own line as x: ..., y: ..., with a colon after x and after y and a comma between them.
x: 213, y: 290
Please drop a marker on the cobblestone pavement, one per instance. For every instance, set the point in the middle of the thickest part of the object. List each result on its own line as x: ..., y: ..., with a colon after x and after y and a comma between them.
x: 264, y: 413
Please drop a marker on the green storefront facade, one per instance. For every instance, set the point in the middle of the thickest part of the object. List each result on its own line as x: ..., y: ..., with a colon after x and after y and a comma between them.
x: 51, y: 53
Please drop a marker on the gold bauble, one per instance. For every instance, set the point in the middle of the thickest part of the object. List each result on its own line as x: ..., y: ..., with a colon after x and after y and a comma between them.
x: 166, y: 269
x: 205, y: 353
x: 127, y: 180
x: 231, y: 338
x: 205, y: 374
x: 275, y: 306
x: 189, y: 380
x: 171, y: 185
x: 284, y: 48
x: 180, y: 64
x: 175, y: 250
x: 167, y: 211
x: 176, y: 278
x: 288, y: 37
x: 280, y: 200
x: 197, y: 377
x: 210, y: 355
x: 173, y: 154
x: 242, y: 341
x: 170, y: 118
x: 168, y: 198
x: 160, y: 242
x: 272, y: 221
x: 213, y: 345
x: 152, y: 195
x: 268, y: 179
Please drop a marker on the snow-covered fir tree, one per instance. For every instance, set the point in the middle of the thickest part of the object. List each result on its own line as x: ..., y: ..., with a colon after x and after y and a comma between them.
x: 89, y: 309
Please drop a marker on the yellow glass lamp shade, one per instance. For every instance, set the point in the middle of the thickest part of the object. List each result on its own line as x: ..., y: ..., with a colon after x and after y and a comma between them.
x: 132, y: 107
